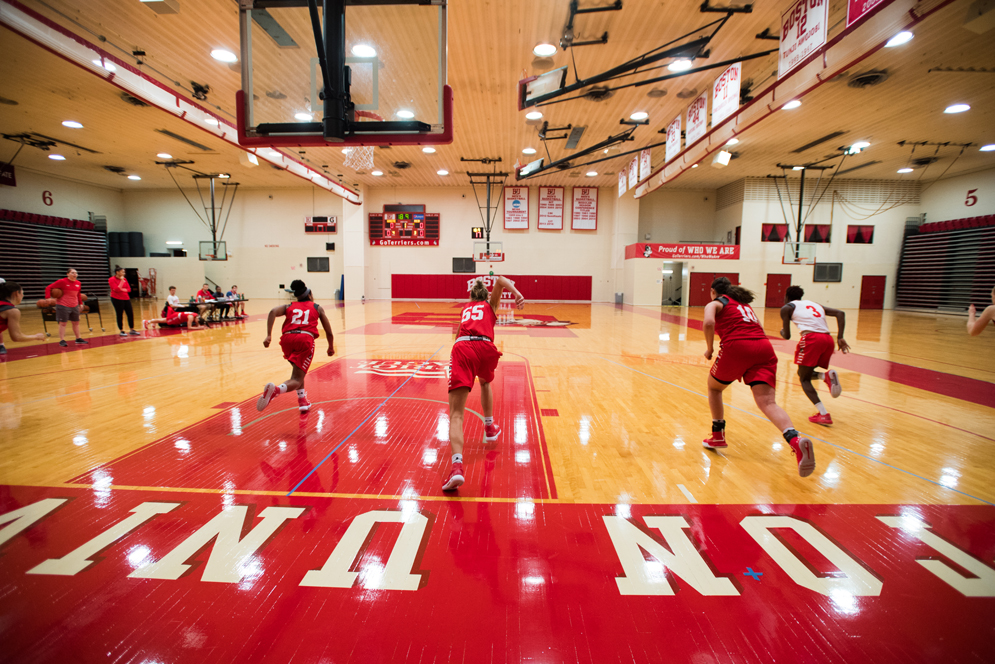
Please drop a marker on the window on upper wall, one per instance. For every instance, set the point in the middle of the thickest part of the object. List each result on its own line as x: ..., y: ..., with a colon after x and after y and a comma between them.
x: 818, y: 232
x: 860, y: 235
x: 773, y: 232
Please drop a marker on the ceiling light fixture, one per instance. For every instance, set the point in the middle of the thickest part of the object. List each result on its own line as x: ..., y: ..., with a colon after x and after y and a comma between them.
x: 902, y: 37
x: 56, y: 157
x: 377, y: 173
x: 224, y: 55
x: 639, y: 115
x: 681, y: 64
x: 134, y: 177
x: 798, y: 168
x: 210, y: 121
x: 957, y: 108
x: 904, y: 170
x: 223, y: 176
x: 860, y: 145
x: 794, y: 103
x: 533, y: 115
x: 164, y: 155
x: 732, y: 141
x: 406, y: 114
x: 533, y: 151
x: 72, y: 124
x: 364, y: 51
x: 107, y: 66
x: 174, y: 242
x: 544, y: 50
x: 346, y: 150
x: 987, y: 148
x: 591, y: 174
x: 303, y: 117
x: 428, y: 150
x: 442, y: 171
x: 694, y: 165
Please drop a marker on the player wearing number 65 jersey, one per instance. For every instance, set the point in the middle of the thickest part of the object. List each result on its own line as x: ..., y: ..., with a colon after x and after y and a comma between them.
x: 745, y: 354
x: 300, y: 330
x: 815, y: 346
x: 474, y: 356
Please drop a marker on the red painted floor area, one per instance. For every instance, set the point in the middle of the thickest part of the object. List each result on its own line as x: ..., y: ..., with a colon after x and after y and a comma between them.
x: 131, y: 576
x: 377, y: 427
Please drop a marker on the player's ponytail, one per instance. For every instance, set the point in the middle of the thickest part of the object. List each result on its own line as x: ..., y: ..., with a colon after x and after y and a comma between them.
x: 723, y: 286
x: 479, y: 291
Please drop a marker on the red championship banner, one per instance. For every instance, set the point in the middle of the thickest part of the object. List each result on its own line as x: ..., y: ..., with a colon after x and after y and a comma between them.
x: 725, y: 93
x: 697, y: 119
x: 673, y: 138
x: 622, y: 186
x: 633, y: 172
x: 682, y: 251
x: 645, y: 164
x: 516, y: 208
x: 857, y: 9
x: 803, y: 32
x: 551, y: 208
x: 585, y: 209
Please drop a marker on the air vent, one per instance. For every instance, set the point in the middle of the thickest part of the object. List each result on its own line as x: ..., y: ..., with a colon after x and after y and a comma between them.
x: 857, y: 168
x: 401, y: 165
x: 393, y: 174
x: 599, y: 93
x: 134, y: 101
x: 687, y: 93
x: 656, y: 93
x: 868, y: 79
x: 575, y: 135
x: 565, y: 166
x: 185, y: 140
x: 8, y: 102
x: 817, y: 141
x: 114, y: 169
x: 925, y: 161
x: 276, y: 94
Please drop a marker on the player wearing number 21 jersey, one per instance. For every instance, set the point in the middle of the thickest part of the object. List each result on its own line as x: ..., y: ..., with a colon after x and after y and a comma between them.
x: 474, y: 356
x: 815, y: 346
x: 745, y: 354
x: 300, y: 329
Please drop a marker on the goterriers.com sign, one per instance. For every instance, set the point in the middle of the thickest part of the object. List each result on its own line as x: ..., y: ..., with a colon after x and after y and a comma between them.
x: 682, y: 251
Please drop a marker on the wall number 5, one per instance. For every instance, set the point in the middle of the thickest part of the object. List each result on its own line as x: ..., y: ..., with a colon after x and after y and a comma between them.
x: 971, y: 198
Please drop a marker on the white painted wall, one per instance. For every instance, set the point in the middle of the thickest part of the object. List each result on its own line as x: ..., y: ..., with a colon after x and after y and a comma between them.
x: 948, y: 199
x: 678, y: 215
x: 70, y: 199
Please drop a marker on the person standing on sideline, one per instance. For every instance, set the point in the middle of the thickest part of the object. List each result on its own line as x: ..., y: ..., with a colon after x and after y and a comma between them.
x: 815, y: 346
x: 67, y: 305
x: 300, y: 329
x: 745, y: 354
x: 474, y: 356
x: 120, y: 298
x: 11, y: 295
x: 976, y: 327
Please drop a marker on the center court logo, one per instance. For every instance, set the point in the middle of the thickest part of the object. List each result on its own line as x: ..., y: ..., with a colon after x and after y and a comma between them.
x: 416, y: 368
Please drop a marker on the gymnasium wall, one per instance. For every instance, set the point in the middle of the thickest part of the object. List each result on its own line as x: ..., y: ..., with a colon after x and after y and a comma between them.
x: 955, y: 198
x: 68, y: 198
x: 532, y: 251
x: 678, y: 215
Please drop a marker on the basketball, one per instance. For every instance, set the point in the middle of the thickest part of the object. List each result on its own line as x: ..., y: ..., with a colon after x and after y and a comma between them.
x: 84, y: 309
x: 43, y: 303
x: 82, y: 297
x: 56, y: 293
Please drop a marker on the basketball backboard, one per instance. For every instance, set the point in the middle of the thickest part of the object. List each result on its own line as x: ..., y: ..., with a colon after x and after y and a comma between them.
x: 488, y: 252
x: 210, y: 250
x: 799, y: 253
x: 386, y: 63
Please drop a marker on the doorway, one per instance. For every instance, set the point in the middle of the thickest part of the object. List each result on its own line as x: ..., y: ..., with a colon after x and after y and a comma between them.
x: 872, y: 291
x: 777, y: 284
x: 699, y: 292
x: 673, y: 280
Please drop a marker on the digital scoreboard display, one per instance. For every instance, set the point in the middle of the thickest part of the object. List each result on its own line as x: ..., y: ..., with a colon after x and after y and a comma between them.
x: 404, y: 225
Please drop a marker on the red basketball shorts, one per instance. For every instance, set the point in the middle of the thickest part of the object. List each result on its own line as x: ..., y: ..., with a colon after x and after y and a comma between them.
x: 814, y: 350
x: 298, y: 349
x: 753, y: 360
x: 470, y: 359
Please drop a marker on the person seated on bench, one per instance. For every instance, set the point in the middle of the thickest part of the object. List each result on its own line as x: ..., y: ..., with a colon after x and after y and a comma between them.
x: 203, y: 295
x: 238, y: 307
x: 222, y: 305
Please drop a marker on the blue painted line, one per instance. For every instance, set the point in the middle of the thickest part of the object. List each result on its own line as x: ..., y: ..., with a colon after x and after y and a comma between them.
x: 821, y: 440
x: 382, y: 403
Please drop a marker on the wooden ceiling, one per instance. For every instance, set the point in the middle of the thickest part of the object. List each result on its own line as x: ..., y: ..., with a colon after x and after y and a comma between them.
x: 490, y: 48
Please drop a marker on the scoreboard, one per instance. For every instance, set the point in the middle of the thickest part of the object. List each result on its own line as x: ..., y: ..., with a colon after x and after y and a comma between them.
x: 404, y: 225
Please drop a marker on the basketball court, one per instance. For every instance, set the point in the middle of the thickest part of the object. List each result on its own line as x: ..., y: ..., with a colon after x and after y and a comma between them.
x: 150, y: 512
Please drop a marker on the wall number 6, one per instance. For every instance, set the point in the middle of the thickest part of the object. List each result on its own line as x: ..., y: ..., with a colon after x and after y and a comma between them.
x: 971, y: 198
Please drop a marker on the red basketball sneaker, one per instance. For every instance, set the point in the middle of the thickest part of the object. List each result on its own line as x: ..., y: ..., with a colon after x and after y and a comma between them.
x: 833, y: 381
x: 492, y: 432
x: 455, y: 479
x: 824, y: 420
x: 716, y: 441
x: 805, y: 454
x: 268, y: 393
x: 302, y: 403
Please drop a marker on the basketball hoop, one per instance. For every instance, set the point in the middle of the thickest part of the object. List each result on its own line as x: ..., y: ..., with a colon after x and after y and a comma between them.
x: 360, y: 158
x: 799, y: 253
x: 488, y: 252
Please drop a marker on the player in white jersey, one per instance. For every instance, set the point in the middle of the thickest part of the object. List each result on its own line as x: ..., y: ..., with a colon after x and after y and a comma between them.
x: 815, y: 346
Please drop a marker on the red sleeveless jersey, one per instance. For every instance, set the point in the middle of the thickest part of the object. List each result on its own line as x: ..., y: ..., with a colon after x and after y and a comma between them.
x: 737, y: 321
x: 4, y: 306
x: 302, y: 316
x: 477, y: 321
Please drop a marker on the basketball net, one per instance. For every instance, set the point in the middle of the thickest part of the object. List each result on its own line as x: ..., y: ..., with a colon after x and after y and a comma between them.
x: 360, y: 158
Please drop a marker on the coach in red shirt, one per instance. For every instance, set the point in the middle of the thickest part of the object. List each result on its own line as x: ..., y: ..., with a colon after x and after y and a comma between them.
x: 121, y: 299
x: 67, y: 306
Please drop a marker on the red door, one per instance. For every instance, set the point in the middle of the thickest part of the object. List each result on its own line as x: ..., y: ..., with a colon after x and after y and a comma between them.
x: 872, y: 292
x: 701, y: 286
x: 776, y: 285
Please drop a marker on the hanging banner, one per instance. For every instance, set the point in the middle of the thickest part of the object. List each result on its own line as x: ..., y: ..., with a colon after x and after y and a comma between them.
x: 725, y: 93
x: 633, y: 172
x: 585, y: 209
x: 856, y: 9
x: 551, y: 208
x: 803, y: 32
x: 645, y: 164
x: 682, y: 251
x: 673, y: 138
x: 516, y: 208
x: 622, y: 182
x: 697, y: 119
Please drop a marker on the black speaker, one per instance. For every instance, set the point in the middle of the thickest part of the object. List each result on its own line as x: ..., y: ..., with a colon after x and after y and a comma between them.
x: 136, y: 245
x: 329, y: 246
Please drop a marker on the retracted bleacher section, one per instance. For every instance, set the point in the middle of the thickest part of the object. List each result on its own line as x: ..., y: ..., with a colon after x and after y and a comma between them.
x: 947, y: 265
x: 37, y: 249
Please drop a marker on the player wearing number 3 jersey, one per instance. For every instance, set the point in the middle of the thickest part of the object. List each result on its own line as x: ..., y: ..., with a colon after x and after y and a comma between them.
x: 474, y: 356
x: 300, y: 330
x: 815, y: 346
x: 745, y: 354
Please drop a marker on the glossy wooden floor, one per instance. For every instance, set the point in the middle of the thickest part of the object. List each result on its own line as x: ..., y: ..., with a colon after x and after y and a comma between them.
x: 914, y: 424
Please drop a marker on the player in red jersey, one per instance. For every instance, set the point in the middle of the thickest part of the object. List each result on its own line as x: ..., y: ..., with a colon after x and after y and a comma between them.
x: 174, y: 318
x: 976, y: 327
x: 474, y: 356
x: 815, y: 346
x: 297, y: 341
x: 745, y: 353
x: 11, y: 295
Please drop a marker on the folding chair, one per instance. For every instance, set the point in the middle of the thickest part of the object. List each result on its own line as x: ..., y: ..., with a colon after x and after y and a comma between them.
x: 93, y: 302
